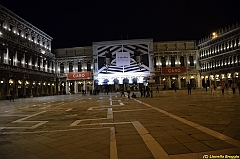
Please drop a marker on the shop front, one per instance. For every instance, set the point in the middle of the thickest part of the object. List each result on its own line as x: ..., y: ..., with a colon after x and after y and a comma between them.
x: 76, y: 82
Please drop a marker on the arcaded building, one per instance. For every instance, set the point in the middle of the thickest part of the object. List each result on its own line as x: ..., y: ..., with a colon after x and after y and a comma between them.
x: 220, y: 56
x: 74, y: 69
x: 27, y: 66
x: 176, y: 64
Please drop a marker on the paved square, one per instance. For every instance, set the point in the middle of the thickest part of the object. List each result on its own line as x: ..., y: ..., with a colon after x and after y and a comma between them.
x: 169, y: 125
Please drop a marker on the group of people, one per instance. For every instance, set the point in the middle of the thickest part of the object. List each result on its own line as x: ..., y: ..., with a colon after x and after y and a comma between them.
x: 224, y: 86
x: 233, y: 86
x: 144, y: 91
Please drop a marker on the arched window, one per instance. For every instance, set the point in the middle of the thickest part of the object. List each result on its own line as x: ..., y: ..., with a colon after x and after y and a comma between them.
x: 61, y: 68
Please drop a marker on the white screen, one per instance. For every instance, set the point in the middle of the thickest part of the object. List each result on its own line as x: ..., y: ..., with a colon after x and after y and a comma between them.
x: 122, y: 58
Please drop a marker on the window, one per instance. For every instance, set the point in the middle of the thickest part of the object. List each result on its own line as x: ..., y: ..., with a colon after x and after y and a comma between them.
x: 61, y: 68
x: 154, y: 62
x: 88, y: 66
x: 163, y: 62
x: 70, y: 67
x: 191, y: 61
x: 19, y: 58
x: 44, y: 64
x: 11, y: 58
x: 39, y: 63
x: 172, y: 61
x: 26, y: 61
x: 79, y: 67
x: 33, y: 62
x: 2, y: 51
x: 182, y: 61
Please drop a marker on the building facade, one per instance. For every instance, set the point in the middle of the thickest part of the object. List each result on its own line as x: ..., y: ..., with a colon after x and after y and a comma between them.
x: 220, y: 56
x: 123, y: 63
x: 27, y: 66
x: 74, y: 69
x: 176, y: 64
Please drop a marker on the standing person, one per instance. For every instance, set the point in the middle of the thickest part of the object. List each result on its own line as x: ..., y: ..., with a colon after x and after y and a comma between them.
x: 122, y: 94
x: 238, y: 87
x: 107, y: 90
x: 151, y: 92
x: 128, y: 91
x: 144, y: 92
x: 175, y: 86
x: 222, y: 87
x: 11, y: 96
x: 189, y: 86
x: 147, y: 90
x: 157, y: 90
x: 141, y: 91
x: 233, y: 86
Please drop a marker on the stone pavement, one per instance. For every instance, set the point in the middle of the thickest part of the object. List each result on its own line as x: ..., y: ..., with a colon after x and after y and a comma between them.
x: 171, y: 125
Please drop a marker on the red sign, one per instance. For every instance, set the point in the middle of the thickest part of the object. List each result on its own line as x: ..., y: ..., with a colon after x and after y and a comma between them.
x: 78, y: 75
x: 173, y: 70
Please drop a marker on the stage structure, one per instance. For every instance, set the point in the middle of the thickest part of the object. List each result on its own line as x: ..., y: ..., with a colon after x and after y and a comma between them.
x: 123, y: 62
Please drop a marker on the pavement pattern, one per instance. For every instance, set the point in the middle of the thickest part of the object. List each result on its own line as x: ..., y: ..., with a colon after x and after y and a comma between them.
x: 169, y: 125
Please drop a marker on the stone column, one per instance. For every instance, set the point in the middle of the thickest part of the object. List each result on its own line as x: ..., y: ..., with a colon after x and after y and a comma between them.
x: 199, y: 81
x: 67, y: 87
x: 84, y: 85
x: 169, y: 82
x: 75, y: 87
x: 179, y: 82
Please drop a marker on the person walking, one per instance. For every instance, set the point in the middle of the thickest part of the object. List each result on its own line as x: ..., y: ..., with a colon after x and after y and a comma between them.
x: 151, y: 92
x: 238, y: 85
x: 157, y: 90
x: 189, y: 86
x: 175, y: 86
x: 11, y: 96
x: 222, y: 87
x: 233, y: 86
x: 212, y: 88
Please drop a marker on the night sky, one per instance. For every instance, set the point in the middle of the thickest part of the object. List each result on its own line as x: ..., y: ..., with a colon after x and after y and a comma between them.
x: 76, y: 23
